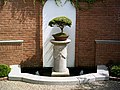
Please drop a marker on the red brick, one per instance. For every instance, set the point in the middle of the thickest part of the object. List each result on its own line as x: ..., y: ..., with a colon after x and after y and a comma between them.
x: 19, y: 20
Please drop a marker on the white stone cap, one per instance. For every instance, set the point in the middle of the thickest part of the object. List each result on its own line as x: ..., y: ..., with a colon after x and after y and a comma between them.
x: 11, y: 41
x: 108, y: 41
x: 60, y: 42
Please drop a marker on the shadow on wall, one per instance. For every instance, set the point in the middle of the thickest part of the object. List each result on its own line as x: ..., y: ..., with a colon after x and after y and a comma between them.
x: 113, y: 62
x: 25, y: 7
x: 35, y: 60
x: 22, y: 11
x: 2, y: 2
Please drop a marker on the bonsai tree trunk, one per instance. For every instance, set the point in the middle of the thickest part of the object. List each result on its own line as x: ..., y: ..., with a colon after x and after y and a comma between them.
x: 62, y: 30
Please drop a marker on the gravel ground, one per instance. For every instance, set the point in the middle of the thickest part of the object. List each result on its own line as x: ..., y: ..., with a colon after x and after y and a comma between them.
x: 18, y: 85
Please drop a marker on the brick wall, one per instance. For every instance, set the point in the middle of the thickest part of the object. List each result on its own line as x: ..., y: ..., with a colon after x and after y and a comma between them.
x: 23, y: 21
x: 107, y: 53
x: 11, y: 53
x: 101, y: 22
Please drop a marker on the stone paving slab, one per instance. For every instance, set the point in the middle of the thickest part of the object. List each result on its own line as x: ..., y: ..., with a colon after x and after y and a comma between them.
x: 100, y: 85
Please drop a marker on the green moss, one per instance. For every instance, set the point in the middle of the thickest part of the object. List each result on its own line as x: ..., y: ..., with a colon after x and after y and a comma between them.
x: 4, y: 70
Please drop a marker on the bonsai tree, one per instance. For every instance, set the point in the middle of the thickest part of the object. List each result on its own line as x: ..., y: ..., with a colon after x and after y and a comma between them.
x: 60, y: 22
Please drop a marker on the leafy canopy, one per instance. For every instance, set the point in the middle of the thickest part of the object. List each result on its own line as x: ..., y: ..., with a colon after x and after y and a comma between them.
x: 61, y: 22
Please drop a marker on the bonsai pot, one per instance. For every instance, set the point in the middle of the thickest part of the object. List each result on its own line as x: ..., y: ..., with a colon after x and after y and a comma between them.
x: 60, y: 36
x: 60, y: 22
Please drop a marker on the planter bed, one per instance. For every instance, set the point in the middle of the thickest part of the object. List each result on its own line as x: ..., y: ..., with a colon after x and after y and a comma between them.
x: 46, y: 71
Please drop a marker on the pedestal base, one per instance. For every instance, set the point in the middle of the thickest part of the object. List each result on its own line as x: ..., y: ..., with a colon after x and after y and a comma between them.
x: 60, y: 74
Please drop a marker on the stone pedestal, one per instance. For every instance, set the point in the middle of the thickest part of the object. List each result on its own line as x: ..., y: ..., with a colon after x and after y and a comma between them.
x: 60, y: 57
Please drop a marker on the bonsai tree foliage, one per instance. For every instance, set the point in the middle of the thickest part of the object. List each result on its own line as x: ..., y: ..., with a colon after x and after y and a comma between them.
x: 60, y: 22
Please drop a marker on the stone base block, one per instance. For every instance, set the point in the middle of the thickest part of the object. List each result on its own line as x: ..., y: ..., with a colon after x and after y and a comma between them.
x: 60, y: 74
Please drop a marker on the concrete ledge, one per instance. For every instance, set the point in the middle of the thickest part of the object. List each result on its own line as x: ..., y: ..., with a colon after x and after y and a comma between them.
x: 15, y: 74
x: 108, y: 41
x: 60, y: 74
x: 102, y: 69
x: 87, y: 78
x: 102, y: 73
x: 11, y: 41
x: 47, y: 80
x: 100, y: 77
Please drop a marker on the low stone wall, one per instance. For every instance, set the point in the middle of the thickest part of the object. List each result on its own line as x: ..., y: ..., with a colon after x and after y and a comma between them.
x: 11, y: 51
